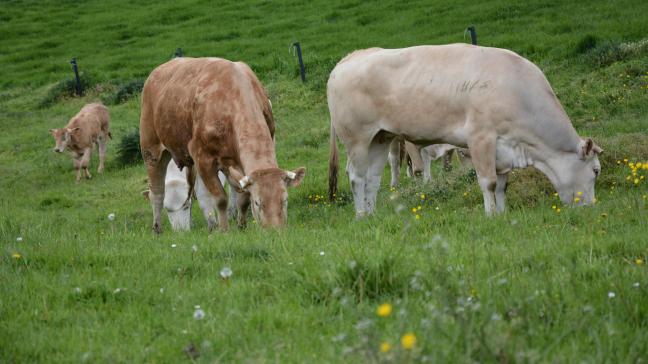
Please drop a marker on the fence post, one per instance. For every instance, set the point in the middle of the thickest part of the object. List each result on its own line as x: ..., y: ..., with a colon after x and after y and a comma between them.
x: 178, y: 52
x: 302, y: 69
x: 75, y: 67
x: 473, y: 34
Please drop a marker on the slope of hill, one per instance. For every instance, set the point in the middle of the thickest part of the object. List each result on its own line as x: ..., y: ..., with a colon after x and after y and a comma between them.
x: 543, y: 282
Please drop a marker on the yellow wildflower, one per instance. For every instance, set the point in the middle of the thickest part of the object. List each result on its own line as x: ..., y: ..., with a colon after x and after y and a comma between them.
x: 422, y: 196
x: 639, y: 261
x: 576, y: 199
x: 418, y: 207
x: 384, y: 310
x: 558, y: 210
x: 408, y: 341
x: 465, y: 194
x: 16, y: 255
x: 414, y: 209
x: 385, y: 347
x: 553, y: 207
x: 417, y: 216
x: 579, y: 193
x: 636, y: 181
x: 555, y: 194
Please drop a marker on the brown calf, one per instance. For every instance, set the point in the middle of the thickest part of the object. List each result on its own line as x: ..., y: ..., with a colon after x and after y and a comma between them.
x: 88, y: 127
x: 216, y: 114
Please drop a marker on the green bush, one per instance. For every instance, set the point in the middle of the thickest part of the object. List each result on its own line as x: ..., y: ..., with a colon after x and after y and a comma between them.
x: 128, y: 151
x: 67, y: 88
x: 125, y: 90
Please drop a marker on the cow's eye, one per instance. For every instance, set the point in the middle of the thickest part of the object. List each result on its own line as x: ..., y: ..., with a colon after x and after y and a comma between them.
x: 257, y: 203
x: 596, y: 172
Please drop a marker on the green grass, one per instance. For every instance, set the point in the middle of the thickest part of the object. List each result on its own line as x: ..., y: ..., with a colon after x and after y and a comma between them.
x: 531, y: 285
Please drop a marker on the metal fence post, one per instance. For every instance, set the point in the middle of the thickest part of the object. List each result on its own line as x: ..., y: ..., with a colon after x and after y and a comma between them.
x: 75, y: 67
x: 473, y: 34
x: 302, y: 69
x: 178, y: 52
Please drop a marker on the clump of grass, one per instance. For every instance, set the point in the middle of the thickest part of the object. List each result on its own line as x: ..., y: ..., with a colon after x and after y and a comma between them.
x: 372, y: 280
x: 608, y: 52
x: 67, y: 88
x: 586, y: 43
x: 125, y: 90
x: 128, y: 151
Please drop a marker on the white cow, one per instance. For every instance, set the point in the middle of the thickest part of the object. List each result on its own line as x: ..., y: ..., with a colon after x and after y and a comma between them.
x: 179, y: 187
x: 490, y: 100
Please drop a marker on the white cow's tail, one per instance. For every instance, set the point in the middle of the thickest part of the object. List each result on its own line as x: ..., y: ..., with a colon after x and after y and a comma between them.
x: 333, y: 166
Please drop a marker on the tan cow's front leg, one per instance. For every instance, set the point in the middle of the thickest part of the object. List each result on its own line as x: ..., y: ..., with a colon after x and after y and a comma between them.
x: 482, y: 150
x: 156, y: 160
x: 209, y: 175
x: 85, y: 161
x: 77, y: 166
x: 101, y: 143
x: 243, y: 204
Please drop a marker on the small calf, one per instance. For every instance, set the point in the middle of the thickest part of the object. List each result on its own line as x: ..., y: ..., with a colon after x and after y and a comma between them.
x: 88, y: 127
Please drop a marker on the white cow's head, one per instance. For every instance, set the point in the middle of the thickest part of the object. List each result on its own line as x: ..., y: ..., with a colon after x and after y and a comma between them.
x: 62, y: 138
x: 576, y: 174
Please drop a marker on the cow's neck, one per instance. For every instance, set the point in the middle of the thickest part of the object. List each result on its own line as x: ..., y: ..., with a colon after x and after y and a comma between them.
x: 255, y: 145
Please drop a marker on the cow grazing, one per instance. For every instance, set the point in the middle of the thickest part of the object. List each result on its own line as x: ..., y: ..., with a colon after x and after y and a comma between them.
x: 215, y: 114
x: 179, y: 189
x: 88, y: 127
x: 490, y: 100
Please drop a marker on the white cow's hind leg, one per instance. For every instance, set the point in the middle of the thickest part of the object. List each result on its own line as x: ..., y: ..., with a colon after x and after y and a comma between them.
x: 377, y: 159
x: 500, y: 192
x: 357, y: 170
x: 206, y: 201
x: 394, y: 161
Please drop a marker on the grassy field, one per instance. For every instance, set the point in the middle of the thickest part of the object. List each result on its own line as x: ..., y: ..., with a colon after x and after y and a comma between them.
x: 541, y: 283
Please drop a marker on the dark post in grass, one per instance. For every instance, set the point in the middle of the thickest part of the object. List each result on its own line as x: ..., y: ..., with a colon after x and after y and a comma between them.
x: 302, y: 69
x: 75, y: 67
x: 473, y: 34
x: 178, y: 53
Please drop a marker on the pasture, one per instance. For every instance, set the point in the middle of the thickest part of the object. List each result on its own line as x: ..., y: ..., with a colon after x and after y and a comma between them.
x: 542, y: 282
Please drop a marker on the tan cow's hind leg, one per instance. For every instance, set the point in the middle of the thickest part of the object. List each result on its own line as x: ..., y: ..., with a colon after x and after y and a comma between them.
x: 209, y: 175
x: 101, y: 143
x: 156, y: 160
x: 482, y: 149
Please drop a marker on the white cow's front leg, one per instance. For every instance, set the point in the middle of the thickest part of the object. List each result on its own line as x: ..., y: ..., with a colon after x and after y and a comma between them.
x: 500, y: 192
x: 377, y: 159
x: 427, y: 160
x: 232, y: 205
x: 394, y: 161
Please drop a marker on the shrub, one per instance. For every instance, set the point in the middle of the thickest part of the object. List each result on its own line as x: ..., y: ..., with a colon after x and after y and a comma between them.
x: 124, y: 91
x: 128, y: 151
x: 67, y: 88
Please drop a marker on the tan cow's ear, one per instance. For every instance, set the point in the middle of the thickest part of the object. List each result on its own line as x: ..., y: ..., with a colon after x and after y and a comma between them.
x: 52, y: 131
x: 72, y: 130
x: 238, y: 181
x: 146, y: 194
x: 294, y: 178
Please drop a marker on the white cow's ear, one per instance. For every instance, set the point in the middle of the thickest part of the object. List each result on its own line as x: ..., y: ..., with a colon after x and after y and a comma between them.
x: 238, y: 180
x: 585, y: 147
x: 294, y: 178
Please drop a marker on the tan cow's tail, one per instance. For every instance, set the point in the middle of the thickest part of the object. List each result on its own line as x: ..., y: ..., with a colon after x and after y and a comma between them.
x: 333, y: 166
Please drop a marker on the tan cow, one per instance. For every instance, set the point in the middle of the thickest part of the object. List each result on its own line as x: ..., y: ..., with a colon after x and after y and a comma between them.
x: 491, y: 100
x: 179, y: 189
x: 88, y: 127
x: 419, y: 158
x: 216, y: 114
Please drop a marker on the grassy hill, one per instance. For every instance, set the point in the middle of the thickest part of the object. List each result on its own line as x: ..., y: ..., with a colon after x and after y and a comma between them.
x: 532, y: 285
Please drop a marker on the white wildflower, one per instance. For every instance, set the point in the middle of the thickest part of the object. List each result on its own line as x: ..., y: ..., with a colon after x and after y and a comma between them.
x: 111, y: 216
x: 198, y: 314
x: 226, y: 272
x: 19, y: 239
x: 611, y: 294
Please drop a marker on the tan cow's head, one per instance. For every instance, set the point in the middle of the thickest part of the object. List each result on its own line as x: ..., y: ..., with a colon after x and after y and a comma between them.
x: 576, y: 174
x: 268, y: 193
x: 62, y: 138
